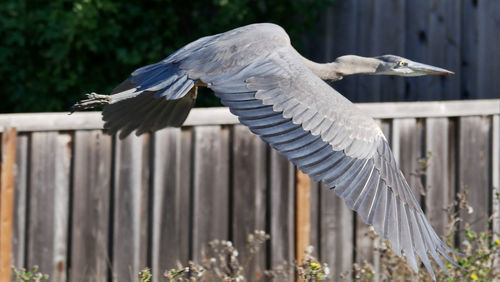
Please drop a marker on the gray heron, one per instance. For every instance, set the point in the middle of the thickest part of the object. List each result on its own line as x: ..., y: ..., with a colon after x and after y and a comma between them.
x: 283, y: 97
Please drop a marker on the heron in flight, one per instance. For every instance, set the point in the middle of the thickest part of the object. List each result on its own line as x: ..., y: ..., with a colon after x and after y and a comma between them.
x: 283, y: 97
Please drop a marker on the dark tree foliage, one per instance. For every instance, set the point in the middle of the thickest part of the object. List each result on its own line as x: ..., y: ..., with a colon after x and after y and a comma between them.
x: 53, y: 51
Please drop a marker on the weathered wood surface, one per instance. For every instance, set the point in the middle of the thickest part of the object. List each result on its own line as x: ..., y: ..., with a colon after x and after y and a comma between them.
x: 315, y: 218
x: 210, y: 187
x: 495, y: 170
x: 474, y: 169
x: 416, y: 41
x: 7, y: 163
x: 302, y: 214
x: 171, y: 202
x: 91, y: 206
x: 439, y: 189
x: 282, y: 216
x: 337, y: 232
x: 444, y: 22
x: 220, y: 116
x: 488, y: 84
x: 129, y: 210
x: 249, y: 188
x: 104, y: 208
x: 469, y: 45
x: 20, y: 201
x: 388, y: 37
x: 49, y: 202
x: 407, y: 139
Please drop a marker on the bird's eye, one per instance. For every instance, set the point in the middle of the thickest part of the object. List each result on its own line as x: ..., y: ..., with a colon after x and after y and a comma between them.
x: 401, y: 64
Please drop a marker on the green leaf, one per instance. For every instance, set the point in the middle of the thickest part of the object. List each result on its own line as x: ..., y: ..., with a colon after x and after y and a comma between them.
x: 53, y: 52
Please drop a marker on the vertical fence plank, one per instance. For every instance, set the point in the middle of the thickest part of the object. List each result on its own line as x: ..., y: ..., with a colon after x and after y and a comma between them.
x: 166, y: 202
x: 469, y: 50
x: 282, y: 217
x: 379, y: 32
x: 171, y: 202
x: 249, y: 197
x: 439, y: 191
x: 488, y: 66
x: 407, y: 144
x: 127, y: 214
x: 367, y: 87
x: 7, y: 163
x: 337, y: 233
x: 364, y: 245
x: 61, y: 205
x: 20, y: 201
x: 145, y: 208
x: 49, y: 193
x: 453, y: 157
x: 444, y: 41
x: 416, y: 40
x: 495, y: 170
x: 302, y: 214
x: 474, y: 167
x: 91, y: 209
x: 211, y: 187
x: 41, y: 210
x: 340, y: 35
x: 186, y: 183
x: 315, y: 218
x: 389, y: 38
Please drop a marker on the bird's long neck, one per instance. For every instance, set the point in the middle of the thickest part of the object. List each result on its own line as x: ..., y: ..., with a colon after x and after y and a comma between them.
x: 343, y: 66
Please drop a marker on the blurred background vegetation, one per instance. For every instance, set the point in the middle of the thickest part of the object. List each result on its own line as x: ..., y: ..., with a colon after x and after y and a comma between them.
x: 52, y: 52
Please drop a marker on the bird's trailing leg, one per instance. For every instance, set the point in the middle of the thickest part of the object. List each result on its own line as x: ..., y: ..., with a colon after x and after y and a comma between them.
x: 93, y: 100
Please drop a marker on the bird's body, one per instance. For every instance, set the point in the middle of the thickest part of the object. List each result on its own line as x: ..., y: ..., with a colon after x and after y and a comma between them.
x: 282, y: 97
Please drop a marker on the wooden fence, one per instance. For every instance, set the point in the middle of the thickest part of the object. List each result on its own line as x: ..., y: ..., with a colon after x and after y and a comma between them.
x: 91, y: 207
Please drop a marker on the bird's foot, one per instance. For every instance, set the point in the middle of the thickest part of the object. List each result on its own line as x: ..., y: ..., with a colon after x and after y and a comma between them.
x: 93, y: 100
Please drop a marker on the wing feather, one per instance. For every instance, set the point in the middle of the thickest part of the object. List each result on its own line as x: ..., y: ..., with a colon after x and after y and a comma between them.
x: 241, y: 96
x: 318, y: 171
x: 361, y: 181
x: 405, y: 237
x: 265, y: 122
x: 243, y: 105
x: 392, y: 223
x: 277, y: 129
x: 367, y: 203
x: 378, y: 219
x: 312, y: 148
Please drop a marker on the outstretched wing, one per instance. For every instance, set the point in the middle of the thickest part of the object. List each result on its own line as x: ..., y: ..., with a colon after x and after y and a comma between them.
x: 156, y: 96
x: 328, y: 138
x: 256, y: 72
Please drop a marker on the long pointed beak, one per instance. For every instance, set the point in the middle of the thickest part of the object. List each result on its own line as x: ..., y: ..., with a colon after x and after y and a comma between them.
x: 427, y: 69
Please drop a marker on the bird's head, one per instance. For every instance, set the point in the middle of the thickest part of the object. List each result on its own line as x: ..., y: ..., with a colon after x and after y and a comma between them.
x: 395, y: 65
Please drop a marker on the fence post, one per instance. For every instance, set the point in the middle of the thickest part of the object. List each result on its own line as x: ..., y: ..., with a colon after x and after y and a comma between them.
x: 302, y: 214
x: 6, y: 200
